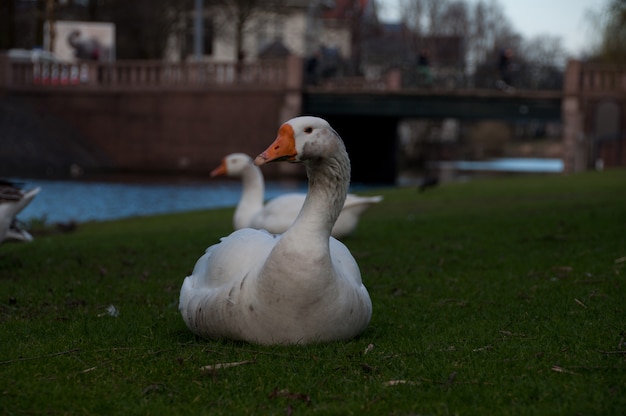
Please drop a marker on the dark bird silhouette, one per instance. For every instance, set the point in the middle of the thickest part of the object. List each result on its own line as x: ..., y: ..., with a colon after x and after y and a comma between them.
x: 428, y: 182
x: 12, y: 200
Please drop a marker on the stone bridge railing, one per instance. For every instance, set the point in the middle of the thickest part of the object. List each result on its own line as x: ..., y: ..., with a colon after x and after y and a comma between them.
x: 599, y: 78
x: 149, y: 74
x: 154, y: 117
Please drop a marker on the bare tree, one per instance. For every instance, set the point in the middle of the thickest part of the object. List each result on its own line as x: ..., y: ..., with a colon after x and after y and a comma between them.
x: 482, y: 25
x: 455, y: 19
x: 423, y: 16
x: 612, y: 42
x: 142, y: 26
x: 490, y: 29
x: 413, y: 16
x: 240, y: 17
x: 544, y: 50
x: 540, y: 62
x: 486, y: 32
x: 435, y: 17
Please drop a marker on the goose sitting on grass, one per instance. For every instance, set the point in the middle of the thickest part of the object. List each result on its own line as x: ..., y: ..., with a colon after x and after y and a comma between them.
x: 12, y: 201
x: 299, y: 287
x: 279, y: 213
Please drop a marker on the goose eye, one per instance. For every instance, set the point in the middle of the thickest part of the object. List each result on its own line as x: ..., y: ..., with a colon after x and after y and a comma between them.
x: 308, y: 130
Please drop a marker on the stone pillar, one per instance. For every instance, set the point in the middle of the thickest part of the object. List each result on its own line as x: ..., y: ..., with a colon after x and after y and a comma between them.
x: 292, y: 105
x: 5, y: 71
x: 572, y: 116
x: 393, y: 79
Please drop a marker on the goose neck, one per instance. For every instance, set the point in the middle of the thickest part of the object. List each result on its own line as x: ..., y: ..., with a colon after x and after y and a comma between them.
x: 329, y: 180
x: 253, y: 188
x: 252, y: 194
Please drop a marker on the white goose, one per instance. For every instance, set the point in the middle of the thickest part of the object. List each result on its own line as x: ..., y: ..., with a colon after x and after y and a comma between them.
x: 12, y: 201
x: 299, y: 287
x: 279, y: 213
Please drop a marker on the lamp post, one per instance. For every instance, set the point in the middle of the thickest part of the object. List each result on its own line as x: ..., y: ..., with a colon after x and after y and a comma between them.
x: 198, y: 38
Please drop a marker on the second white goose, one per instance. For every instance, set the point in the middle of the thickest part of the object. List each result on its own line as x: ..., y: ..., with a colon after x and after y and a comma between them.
x: 279, y: 213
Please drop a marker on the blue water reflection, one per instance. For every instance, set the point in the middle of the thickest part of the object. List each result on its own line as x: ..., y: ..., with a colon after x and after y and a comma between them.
x: 527, y: 165
x: 63, y: 201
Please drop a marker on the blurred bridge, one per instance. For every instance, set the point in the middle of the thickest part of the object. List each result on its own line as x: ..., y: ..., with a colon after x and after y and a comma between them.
x: 436, y: 103
x: 368, y: 119
x: 186, y: 116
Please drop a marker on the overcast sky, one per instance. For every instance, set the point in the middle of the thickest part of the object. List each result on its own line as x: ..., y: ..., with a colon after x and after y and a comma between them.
x: 564, y: 18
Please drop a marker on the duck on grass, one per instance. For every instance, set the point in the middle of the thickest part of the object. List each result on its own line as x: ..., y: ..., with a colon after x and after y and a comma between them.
x: 302, y: 286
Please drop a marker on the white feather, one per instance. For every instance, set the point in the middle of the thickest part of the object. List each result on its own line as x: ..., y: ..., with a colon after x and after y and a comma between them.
x: 299, y: 287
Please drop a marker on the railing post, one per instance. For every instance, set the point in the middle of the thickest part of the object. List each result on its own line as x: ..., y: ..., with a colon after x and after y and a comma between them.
x: 292, y: 101
x: 292, y: 104
x: 89, y: 73
x: 294, y: 72
x: 5, y: 71
x: 393, y: 79
x: 574, y: 154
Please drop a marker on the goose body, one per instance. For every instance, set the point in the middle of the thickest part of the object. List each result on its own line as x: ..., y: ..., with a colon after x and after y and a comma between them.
x: 279, y: 213
x: 299, y: 287
x: 12, y: 201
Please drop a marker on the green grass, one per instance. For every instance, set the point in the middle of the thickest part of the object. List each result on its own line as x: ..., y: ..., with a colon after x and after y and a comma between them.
x: 498, y: 296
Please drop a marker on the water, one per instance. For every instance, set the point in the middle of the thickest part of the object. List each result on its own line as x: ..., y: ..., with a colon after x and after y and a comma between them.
x: 528, y: 165
x: 64, y: 201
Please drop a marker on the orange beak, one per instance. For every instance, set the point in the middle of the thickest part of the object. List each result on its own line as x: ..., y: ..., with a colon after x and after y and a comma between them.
x: 220, y: 170
x: 283, y: 148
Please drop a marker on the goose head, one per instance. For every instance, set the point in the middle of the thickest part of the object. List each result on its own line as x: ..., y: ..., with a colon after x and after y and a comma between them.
x: 232, y: 165
x: 302, y: 139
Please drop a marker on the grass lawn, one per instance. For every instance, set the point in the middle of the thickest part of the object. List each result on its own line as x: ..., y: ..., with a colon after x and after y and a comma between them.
x: 496, y: 296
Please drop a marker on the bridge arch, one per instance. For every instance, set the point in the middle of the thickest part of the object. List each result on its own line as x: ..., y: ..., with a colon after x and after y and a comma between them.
x: 368, y: 120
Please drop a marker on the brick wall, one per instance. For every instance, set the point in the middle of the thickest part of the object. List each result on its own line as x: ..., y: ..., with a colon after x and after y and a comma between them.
x: 169, y: 130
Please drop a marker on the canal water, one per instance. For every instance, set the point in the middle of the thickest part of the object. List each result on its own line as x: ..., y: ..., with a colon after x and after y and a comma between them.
x: 80, y: 201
